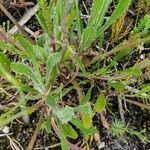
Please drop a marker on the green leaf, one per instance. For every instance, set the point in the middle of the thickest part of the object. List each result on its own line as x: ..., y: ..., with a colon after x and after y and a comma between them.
x: 87, y: 120
x: 145, y: 89
x: 42, y: 22
x: 64, y: 142
x: 45, y: 16
x: 87, y: 114
x: 101, y: 71
x: 85, y: 108
x: 86, y: 131
x: 64, y: 114
x: 118, y: 12
x: 28, y: 47
x: 98, y: 11
x: 69, y: 131
x: 134, y: 71
x: 79, y: 24
x: 87, y: 97
x: 122, y: 54
x: 23, y: 69
x: 29, y: 50
x: 81, y: 65
x: 91, y: 33
x: 88, y: 36
x: 65, y: 13
x: 53, y: 59
x: 4, y: 61
x: 47, y: 125
x: 100, y: 104
x: 6, y: 75
x: 40, y: 53
x: 117, y: 85
x: 52, y: 100
x: 143, y: 25
x: 112, y: 64
x: 148, y: 2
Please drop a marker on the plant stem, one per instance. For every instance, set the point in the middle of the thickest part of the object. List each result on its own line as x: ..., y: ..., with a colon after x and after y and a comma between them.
x: 138, y: 104
x: 32, y: 141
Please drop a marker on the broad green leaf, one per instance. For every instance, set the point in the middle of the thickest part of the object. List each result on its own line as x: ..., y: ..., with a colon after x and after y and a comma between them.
x: 87, y: 97
x: 117, y: 85
x: 118, y: 12
x: 40, y: 53
x: 100, y: 104
x: 53, y: 59
x: 64, y: 142
x: 29, y: 50
x: 87, y: 120
x: 64, y: 114
x: 4, y: 61
x: 87, y: 114
x: 86, y: 131
x: 85, y: 108
x: 69, y: 131
x: 23, y: 69
x: 28, y: 47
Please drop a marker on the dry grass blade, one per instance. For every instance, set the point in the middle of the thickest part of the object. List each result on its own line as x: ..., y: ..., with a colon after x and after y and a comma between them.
x: 130, y: 43
x: 15, y: 22
x: 24, y: 19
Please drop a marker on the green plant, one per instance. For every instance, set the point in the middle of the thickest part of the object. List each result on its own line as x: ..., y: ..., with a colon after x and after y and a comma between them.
x: 38, y: 74
x: 119, y: 129
x: 143, y: 26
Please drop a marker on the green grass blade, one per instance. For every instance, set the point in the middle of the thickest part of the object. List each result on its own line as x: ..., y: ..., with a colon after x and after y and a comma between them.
x: 119, y: 11
x: 98, y: 11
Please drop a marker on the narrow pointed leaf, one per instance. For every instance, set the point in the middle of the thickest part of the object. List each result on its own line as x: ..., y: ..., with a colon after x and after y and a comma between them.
x: 118, y: 12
